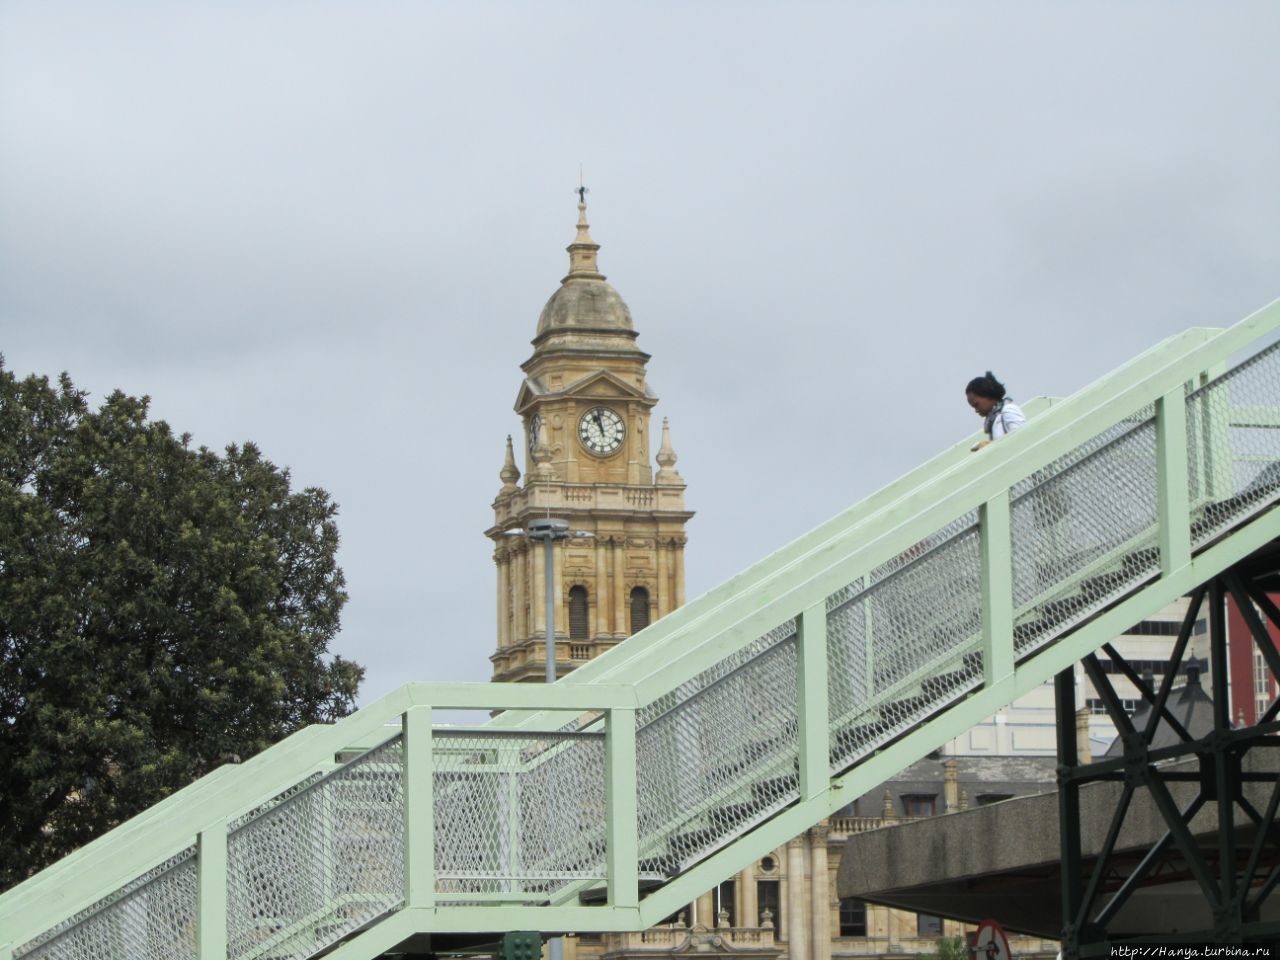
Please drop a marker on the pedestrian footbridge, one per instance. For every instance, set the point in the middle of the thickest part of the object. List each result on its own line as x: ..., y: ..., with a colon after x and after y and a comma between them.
x: 612, y: 798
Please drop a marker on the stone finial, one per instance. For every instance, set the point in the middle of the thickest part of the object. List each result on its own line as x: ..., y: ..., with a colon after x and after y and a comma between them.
x: 667, y: 458
x: 509, y: 473
x: 722, y: 918
x: 766, y: 919
x: 680, y: 922
x: 888, y: 812
x: 542, y: 469
x: 964, y: 799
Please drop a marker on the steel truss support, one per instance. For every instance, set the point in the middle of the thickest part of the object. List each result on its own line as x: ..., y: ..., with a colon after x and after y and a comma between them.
x: 1235, y: 874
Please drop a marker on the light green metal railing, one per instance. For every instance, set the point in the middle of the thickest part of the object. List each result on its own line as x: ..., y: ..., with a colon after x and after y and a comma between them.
x: 722, y: 730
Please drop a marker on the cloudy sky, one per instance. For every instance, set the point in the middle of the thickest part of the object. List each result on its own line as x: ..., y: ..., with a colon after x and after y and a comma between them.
x: 329, y: 227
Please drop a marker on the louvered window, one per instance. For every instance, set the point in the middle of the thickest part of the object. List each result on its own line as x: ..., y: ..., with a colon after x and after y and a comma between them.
x: 639, y: 609
x: 578, y: 628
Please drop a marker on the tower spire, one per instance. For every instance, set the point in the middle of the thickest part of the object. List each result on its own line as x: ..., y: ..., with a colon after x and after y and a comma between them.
x: 582, y: 252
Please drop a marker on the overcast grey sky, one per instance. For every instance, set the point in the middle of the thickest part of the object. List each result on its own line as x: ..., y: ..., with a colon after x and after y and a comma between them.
x: 329, y: 227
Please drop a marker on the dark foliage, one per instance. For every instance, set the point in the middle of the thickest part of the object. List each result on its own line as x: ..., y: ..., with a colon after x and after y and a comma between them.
x: 163, y: 610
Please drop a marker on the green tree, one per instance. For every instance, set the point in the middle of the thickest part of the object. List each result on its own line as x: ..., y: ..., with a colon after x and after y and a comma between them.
x: 163, y: 610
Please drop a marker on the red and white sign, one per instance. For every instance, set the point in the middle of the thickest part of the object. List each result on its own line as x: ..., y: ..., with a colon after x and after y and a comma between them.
x: 990, y: 943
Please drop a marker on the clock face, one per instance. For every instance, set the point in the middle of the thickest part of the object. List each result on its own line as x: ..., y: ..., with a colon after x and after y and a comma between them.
x: 535, y: 425
x: 601, y: 431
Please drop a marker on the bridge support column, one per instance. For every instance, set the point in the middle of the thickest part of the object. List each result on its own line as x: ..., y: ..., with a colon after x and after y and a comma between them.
x: 1235, y: 871
x: 1068, y: 809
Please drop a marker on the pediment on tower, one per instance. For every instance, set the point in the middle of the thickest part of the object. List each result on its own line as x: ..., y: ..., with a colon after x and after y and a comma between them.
x: 605, y: 385
x: 597, y: 385
x: 530, y: 391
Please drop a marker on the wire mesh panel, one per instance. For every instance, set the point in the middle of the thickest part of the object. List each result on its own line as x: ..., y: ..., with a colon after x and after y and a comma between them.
x: 1233, y: 444
x: 152, y: 918
x: 907, y: 645
x: 1084, y: 530
x: 718, y: 754
x: 518, y: 812
x: 304, y: 872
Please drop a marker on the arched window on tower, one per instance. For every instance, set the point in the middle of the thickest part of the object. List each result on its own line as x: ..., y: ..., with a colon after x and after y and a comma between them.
x: 639, y: 609
x: 578, y: 627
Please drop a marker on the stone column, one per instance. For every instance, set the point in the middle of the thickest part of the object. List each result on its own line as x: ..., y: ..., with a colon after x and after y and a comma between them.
x: 1084, y: 749
x: 664, y: 583
x: 950, y: 785
x: 621, y: 627
x: 704, y: 909
x: 797, y: 938
x: 537, y: 586
x: 519, y: 598
x: 602, y: 596
x: 748, y: 904
x: 821, y: 898
x: 678, y: 550
x: 501, y: 601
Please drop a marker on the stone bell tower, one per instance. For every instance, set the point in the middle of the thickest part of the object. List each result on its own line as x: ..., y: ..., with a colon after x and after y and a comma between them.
x: 588, y: 459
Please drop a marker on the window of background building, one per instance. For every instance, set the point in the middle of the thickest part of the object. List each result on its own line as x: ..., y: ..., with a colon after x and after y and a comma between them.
x: 578, y: 629
x: 927, y: 925
x: 767, y: 898
x: 853, y: 917
x: 639, y: 609
x: 723, y: 898
x: 919, y: 804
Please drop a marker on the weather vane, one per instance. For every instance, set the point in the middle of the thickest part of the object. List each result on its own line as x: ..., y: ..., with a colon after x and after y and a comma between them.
x: 582, y: 191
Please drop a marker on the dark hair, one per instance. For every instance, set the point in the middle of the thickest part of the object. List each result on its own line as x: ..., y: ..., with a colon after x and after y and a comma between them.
x: 986, y: 386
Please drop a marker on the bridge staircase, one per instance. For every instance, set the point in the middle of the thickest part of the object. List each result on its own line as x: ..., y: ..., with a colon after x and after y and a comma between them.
x: 607, y: 801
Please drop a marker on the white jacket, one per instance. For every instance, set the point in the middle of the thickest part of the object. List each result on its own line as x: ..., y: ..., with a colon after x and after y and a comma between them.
x: 1005, y: 417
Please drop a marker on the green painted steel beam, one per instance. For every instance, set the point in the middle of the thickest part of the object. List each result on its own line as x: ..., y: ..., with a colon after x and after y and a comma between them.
x: 814, y: 731
x: 419, y: 809
x: 211, y: 889
x: 621, y: 812
x: 997, y: 588
x: 1173, y: 498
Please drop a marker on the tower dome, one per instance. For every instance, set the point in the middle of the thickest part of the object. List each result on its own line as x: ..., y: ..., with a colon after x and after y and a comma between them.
x: 585, y: 303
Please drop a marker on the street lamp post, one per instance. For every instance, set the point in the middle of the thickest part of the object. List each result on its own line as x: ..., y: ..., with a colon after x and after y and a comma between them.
x: 549, y: 530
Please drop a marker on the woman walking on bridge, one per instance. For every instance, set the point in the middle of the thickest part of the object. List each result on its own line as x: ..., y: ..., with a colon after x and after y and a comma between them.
x: 1000, y: 415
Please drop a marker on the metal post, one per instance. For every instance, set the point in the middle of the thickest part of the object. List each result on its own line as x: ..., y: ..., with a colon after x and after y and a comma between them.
x: 549, y: 530
x: 1068, y: 811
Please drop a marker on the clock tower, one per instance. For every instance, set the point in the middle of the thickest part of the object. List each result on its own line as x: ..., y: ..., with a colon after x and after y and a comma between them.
x: 587, y: 447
